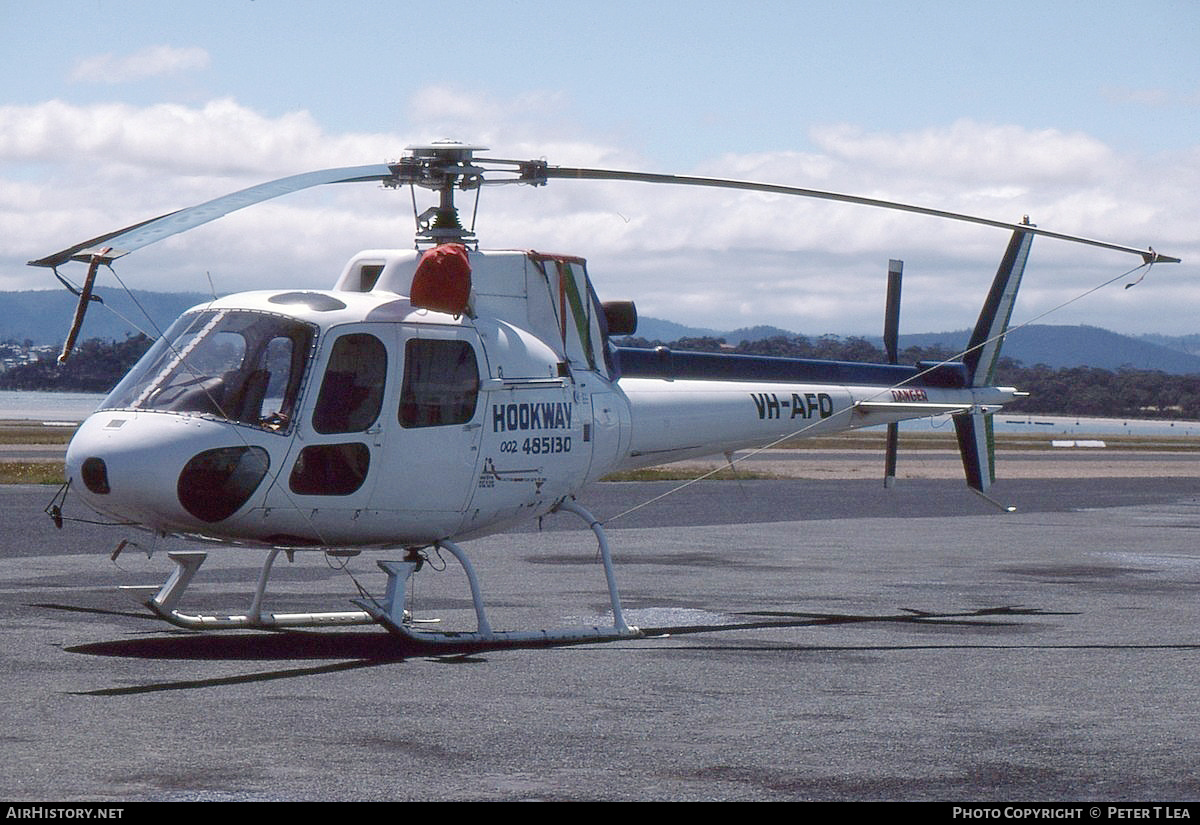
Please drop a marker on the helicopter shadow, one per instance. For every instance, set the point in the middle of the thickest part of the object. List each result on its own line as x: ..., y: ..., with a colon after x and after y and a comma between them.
x: 344, y: 651
x: 339, y: 652
x: 388, y: 647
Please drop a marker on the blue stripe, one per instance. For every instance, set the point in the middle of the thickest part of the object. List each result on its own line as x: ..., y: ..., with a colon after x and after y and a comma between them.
x: 711, y: 366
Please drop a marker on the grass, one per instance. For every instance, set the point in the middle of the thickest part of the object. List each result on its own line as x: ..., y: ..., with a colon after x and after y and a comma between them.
x: 33, y: 432
x: 31, y: 472
x: 24, y: 433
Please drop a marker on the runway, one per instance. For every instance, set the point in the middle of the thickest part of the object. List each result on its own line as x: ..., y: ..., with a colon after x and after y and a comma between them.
x: 818, y: 639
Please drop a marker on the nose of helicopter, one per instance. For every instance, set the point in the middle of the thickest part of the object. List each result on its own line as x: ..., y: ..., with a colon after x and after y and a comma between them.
x: 163, y: 471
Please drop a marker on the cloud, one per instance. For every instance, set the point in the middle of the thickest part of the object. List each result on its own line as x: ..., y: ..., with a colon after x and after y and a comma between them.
x: 220, y: 138
x: 709, y: 257
x: 153, y: 61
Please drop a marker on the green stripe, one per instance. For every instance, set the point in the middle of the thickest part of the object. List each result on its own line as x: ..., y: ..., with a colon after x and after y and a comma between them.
x: 991, y: 445
x: 577, y: 309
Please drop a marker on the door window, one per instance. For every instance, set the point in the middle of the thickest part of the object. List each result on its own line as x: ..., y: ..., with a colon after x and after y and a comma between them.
x: 441, y: 383
x: 352, y: 390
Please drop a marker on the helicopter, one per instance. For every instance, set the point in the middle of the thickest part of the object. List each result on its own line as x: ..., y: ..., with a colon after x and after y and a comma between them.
x: 446, y: 392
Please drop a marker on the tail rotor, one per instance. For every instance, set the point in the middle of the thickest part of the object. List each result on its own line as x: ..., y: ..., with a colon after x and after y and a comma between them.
x: 891, y: 344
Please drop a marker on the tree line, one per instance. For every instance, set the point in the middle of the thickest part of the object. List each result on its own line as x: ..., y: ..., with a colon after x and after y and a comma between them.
x: 96, y: 365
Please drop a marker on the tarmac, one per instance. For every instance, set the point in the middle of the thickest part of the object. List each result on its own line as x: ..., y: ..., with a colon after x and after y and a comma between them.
x: 806, y: 639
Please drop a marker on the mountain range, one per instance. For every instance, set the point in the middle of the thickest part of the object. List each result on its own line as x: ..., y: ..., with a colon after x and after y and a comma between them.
x: 42, y: 317
x: 1055, y: 346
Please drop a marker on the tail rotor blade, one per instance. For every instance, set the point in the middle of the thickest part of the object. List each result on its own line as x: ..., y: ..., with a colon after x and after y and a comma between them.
x: 891, y: 344
x: 891, y: 317
x: 889, y: 456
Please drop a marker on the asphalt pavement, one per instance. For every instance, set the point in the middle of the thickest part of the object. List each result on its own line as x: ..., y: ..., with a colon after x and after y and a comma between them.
x: 806, y: 640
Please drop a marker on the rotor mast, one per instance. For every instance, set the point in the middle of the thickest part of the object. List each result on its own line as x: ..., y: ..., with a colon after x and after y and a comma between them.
x: 443, y: 167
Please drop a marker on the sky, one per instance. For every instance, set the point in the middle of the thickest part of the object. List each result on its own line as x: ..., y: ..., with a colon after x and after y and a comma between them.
x: 1084, y: 116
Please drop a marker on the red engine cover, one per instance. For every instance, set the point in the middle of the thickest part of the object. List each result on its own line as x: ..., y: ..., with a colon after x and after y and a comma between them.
x: 442, y: 281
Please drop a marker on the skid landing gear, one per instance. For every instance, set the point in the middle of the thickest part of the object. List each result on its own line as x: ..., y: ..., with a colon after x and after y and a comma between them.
x: 390, y: 613
x: 163, y: 602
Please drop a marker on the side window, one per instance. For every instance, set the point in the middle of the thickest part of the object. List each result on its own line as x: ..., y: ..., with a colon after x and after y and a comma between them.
x: 330, y: 469
x: 441, y: 383
x: 352, y: 390
x: 368, y: 276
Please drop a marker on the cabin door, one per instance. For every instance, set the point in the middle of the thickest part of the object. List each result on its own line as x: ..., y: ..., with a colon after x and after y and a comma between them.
x: 434, y: 429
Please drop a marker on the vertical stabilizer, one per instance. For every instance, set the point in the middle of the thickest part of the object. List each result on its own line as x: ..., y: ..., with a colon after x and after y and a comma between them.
x: 976, y: 440
x: 984, y: 349
x: 978, y: 447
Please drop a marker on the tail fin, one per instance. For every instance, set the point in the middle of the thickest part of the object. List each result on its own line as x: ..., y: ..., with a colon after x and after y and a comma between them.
x: 977, y: 444
x: 984, y: 349
x: 976, y: 440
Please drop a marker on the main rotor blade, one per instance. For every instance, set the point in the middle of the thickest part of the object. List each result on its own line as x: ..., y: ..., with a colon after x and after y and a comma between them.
x: 564, y: 172
x: 131, y: 238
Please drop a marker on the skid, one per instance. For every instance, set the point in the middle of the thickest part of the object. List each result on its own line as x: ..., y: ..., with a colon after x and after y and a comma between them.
x: 390, y: 613
x: 187, y: 562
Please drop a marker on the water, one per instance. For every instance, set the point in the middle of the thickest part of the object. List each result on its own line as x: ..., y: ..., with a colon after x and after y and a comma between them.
x: 1064, y: 425
x: 1022, y: 424
x: 21, y: 405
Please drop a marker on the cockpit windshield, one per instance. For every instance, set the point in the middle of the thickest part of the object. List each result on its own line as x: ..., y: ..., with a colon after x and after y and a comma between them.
x: 239, y: 365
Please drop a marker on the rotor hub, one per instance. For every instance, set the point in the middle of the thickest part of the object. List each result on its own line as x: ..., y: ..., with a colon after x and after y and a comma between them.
x: 444, y: 166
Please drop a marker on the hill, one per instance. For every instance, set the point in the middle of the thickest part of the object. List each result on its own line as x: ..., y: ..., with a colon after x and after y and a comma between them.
x: 1184, y: 343
x: 1057, y: 347
x: 43, y: 316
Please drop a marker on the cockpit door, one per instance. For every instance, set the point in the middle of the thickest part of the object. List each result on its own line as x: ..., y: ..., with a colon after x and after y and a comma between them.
x: 326, y: 480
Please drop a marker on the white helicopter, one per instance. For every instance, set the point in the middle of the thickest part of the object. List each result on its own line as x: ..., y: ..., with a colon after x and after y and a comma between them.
x: 445, y: 392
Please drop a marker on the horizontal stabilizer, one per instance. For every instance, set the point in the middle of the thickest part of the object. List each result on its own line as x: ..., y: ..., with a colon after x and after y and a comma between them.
x: 909, y: 409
